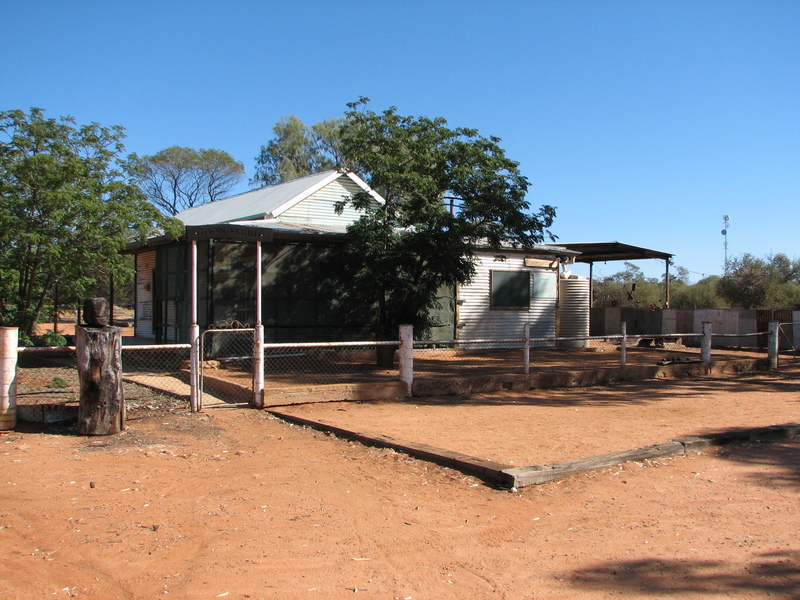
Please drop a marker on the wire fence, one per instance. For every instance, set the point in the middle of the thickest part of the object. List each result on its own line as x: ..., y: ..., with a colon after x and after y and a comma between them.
x: 48, y: 385
x: 789, y: 344
x: 228, y: 363
x: 49, y: 376
x: 319, y: 364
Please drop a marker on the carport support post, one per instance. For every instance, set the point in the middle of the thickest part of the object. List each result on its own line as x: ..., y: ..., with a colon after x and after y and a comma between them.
x: 258, y: 344
x: 705, y: 343
x: 407, y: 355
x: 774, y: 344
x: 526, y: 353
x: 623, y: 345
x: 194, y: 338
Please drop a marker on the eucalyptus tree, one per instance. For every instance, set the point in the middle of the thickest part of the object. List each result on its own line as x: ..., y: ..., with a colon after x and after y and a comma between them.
x: 177, y: 178
x: 769, y: 283
x: 298, y: 150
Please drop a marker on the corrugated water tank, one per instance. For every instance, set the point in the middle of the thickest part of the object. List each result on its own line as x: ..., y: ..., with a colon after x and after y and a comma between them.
x: 573, y: 311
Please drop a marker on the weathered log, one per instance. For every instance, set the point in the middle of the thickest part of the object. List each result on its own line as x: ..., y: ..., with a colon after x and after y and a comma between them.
x: 102, y: 404
x: 96, y: 312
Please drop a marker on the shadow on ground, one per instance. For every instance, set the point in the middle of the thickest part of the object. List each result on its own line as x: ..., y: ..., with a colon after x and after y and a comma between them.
x: 772, y: 573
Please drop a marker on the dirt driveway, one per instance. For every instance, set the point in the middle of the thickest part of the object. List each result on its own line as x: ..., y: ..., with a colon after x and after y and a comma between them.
x: 235, y: 504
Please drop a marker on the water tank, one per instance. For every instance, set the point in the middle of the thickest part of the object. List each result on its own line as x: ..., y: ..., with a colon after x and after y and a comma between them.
x: 573, y: 310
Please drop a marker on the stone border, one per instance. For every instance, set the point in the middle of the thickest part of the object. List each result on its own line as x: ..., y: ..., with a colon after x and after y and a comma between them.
x: 516, y: 477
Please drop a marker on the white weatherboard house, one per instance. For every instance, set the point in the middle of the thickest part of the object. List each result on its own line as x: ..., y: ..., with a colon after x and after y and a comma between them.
x: 300, y: 235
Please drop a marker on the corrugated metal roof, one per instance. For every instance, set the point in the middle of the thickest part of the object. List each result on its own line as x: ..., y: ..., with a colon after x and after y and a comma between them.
x: 256, y: 204
x: 605, y: 251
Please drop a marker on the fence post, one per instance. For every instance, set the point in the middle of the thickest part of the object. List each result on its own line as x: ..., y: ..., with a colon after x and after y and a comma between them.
x: 258, y: 367
x: 773, y: 344
x: 705, y: 343
x: 407, y: 355
x: 526, y: 355
x: 623, y: 345
x: 9, y: 339
x: 194, y: 367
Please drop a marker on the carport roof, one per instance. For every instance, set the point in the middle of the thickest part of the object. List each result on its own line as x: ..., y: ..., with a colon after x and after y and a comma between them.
x: 591, y: 252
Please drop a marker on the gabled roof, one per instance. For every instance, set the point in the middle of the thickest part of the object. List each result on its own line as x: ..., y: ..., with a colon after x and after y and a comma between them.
x: 267, y: 202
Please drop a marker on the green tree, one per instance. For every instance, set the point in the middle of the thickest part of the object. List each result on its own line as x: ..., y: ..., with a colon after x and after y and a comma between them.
x: 177, y: 178
x: 448, y: 192
x: 67, y: 209
x: 770, y: 283
x: 298, y: 150
x: 629, y: 287
x: 702, y: 294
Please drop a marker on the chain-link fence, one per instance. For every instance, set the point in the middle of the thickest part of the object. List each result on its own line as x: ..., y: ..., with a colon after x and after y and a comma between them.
x: 48, y: 385
x: 493, y: 357
x: 320, y: 364
x: 788, y: 345
x: 227, y: 363
x: 49, y: 377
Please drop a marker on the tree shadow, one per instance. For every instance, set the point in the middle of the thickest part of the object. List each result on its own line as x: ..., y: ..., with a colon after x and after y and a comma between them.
x: 781, y: 457
x: 770, y: 573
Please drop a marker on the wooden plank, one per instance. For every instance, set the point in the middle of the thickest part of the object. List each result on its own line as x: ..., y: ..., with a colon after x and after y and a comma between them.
x: 537, y: 474
x: 485, y: 469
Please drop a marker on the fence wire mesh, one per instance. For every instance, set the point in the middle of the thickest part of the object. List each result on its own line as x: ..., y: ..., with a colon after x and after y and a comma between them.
x: 151, y: 372
x: 314, y: 364
x: 493, y: 357
x: 48, y: 376
x: 227, y: 364
x: 789, y: 345
x: 48, y: 384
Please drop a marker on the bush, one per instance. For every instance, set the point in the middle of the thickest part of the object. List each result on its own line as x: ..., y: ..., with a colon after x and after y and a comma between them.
x: 53, y: 340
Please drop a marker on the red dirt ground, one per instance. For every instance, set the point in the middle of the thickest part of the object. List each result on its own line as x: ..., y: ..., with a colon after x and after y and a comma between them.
x: 233, y: 503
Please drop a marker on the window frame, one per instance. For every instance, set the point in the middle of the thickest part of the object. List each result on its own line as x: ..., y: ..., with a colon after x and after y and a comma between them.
x: 513, y: 307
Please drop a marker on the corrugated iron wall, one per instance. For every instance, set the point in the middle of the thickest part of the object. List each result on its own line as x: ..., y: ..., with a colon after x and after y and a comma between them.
x: 478, y: 320
x: 319, y: 207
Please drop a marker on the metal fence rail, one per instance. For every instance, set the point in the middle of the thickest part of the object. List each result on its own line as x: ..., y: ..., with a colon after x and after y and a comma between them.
x: 227, y: 361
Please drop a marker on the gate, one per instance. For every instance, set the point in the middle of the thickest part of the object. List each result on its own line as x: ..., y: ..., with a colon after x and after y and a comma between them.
x: 227, y: 365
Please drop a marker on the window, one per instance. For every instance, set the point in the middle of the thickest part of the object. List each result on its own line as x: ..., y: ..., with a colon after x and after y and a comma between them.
x: 511, y: 289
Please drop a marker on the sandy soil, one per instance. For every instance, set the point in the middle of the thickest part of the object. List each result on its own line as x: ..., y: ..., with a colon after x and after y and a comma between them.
x: 233, y: 503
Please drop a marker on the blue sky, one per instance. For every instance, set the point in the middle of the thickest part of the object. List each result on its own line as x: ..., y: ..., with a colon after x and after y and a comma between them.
x: 642, y: 121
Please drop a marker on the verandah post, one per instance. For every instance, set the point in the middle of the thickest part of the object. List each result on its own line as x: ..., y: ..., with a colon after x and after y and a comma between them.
x: 623, y: 345
x: 258, y: 342
x: 194, y: 337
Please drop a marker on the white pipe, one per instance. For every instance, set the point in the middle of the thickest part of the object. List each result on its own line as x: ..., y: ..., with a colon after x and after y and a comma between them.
x: 194, y: 338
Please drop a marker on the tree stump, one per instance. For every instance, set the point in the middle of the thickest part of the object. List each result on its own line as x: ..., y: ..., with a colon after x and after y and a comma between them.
x: 102, y: 404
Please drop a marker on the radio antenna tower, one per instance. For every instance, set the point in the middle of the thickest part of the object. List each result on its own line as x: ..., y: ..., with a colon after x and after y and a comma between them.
x: 726, y: 219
